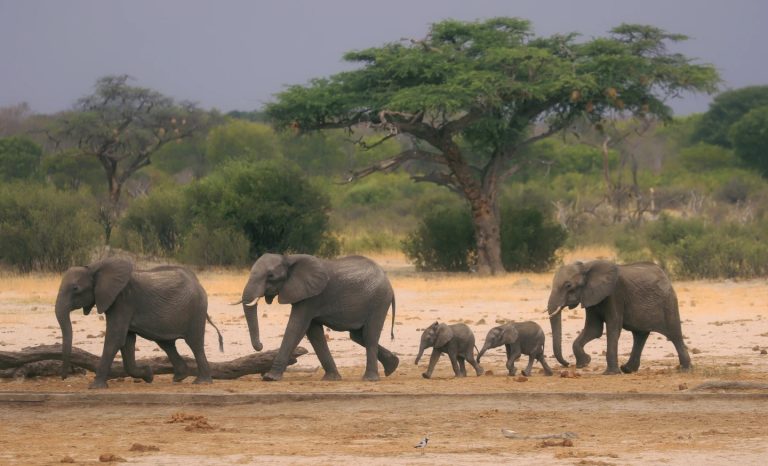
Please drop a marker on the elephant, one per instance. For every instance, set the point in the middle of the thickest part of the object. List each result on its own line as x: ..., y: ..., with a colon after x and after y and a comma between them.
x: 456, y: 340
x: 347, y: 294
x: 518, y: 338
x: 637, y: 297
x: 162, y: 304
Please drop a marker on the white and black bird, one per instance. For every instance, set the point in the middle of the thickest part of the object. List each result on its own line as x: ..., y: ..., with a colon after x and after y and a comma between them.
x: 422, y: 443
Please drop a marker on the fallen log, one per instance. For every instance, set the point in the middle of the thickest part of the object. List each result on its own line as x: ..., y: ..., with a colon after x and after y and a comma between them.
x: 37, y: 361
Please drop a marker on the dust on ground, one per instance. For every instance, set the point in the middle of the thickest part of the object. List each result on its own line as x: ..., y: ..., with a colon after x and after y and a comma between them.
x: 649, y: 417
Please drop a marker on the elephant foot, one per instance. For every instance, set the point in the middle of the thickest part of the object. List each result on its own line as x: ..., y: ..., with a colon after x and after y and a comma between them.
x: 179, y: 377
x: 460, y: 375
x: 203, y: 380
x: 612, y: 371
x: 627, y: 369
x: 97, y: 385
x: 525, y: 373
x: 685, y: 369
x: 583, y: 361
x: 371, y: 377
x: 426, y: 375
x: 390, y: 365
x: 272, y: 376
x: 479, y: 371
x: 332, y: 376
x: 148, y: 376
x: 548, y: 373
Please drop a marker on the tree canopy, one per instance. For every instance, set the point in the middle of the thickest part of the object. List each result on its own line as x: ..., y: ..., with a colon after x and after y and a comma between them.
x: 726, y: 109
x: 471, y: 94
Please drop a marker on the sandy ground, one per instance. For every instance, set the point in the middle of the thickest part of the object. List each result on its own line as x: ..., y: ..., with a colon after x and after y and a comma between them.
x: 654, y: 416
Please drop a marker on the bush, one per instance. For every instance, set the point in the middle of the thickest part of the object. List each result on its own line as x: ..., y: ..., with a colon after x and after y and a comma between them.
x: 215, y: 246
x: 19, y: 159
x: 42, y: 229
x: 445, y: 240
x: 694, y: 249
x: 153, y: 224
x: 270, y: 203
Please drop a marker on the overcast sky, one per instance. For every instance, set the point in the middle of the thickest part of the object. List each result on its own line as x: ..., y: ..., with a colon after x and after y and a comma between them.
x: 236, y: 54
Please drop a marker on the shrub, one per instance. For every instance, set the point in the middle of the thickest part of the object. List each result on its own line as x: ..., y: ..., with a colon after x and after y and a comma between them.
x: 19, y: 159
x: 445, y: 240
x: 154, y: 223
x: 695, y: 249
x: 215, y: 246
x: 42, y: 229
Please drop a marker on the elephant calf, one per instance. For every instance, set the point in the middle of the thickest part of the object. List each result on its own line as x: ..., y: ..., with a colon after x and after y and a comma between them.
x: 456, y: 340
x: 518, y: 338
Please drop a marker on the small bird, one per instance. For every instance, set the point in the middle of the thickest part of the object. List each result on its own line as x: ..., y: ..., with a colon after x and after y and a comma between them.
x: 422, y: 443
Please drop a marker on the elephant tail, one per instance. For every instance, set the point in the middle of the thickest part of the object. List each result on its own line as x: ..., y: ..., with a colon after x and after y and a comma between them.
x: 392, y: 331
x: 221, y: 339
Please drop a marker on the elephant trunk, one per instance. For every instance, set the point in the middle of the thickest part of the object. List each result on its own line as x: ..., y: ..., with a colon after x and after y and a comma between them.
x: 555, y: 321
x: 65, y: 322
x: 422, y: 347
x: 252, y: 292
x: 482, y: 351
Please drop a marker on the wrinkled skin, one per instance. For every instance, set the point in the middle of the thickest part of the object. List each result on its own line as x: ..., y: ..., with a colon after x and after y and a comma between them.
x: 457, y: 341
x: 518, y: 338
x: 636, y: 297
x: 161, y: 304
x: 349, y: 294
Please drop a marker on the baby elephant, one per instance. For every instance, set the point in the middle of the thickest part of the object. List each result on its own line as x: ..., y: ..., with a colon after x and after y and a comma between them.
x: 519, y: 338
x: 456, y: 340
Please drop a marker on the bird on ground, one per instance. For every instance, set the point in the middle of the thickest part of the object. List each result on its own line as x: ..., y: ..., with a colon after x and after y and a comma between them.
x: 422, y: 443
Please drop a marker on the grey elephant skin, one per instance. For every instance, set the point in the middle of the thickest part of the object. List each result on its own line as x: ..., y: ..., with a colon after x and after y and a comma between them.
x: 518, y: 338
x: 457, y: 341
x: 162, y: 304
x: 636, y: 297
x: 348, y: 294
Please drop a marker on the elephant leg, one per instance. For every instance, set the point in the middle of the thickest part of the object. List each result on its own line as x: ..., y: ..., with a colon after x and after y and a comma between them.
x: 473, y: 362
x: 513, y: 355
x: 432, y: 363
x: 543, y: 360
x: 297, y: 327
x: 462, y: 366
x: 197, y: 344
x: 613, y: 331
x: 118, y: 322
x: 682, y: 354
x: 638, y: 343
x: 593, y: 328
x: 129, y: 360
x: 387, y: 358
x: 455, y: 365
x: 180, y: 368
x: 316, y: 338
x: 529, y: 368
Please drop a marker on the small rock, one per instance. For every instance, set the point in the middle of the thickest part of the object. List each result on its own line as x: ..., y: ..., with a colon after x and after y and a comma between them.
x: 755, y: 348
x: 521, y: 378
x: 480, y: 322
x: 140, y: 447
x: 696, y: 351
x: 110, y: 458
x: 488, y: 372
x: 67, y: 459
x: 763, y: 352
x: 682, y: 386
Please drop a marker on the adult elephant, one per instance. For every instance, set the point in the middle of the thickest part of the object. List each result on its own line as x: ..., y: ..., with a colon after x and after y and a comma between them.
x: 348, y: 294
x: 161, y: 304
x: 637, y: 297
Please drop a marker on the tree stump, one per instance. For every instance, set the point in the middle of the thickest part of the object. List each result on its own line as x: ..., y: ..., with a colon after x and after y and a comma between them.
x: 45, y: 360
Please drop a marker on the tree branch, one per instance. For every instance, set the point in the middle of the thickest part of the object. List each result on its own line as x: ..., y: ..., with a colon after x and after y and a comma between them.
x: 392, y: 163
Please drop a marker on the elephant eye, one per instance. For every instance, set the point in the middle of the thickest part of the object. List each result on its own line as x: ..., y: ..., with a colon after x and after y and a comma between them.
x: 568, y: 285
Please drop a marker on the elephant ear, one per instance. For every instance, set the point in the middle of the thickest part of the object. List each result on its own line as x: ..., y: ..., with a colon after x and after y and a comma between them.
x: 306, y: 278
x: 444, y: 335
x: 110, y: 277
x: 600, y: 281
x: 509, y: 335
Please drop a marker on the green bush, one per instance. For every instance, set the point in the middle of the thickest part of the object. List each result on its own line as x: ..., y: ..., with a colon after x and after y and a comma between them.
x: 215, y: 246
x: 152, y: 225
x: 695, y: 249
x: 271, y: 203
x: 19, y: 159
x: 445, y: 240
x: 43, y: 229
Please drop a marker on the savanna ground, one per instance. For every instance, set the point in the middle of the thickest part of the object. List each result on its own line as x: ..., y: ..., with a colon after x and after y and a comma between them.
x: 654, y: 416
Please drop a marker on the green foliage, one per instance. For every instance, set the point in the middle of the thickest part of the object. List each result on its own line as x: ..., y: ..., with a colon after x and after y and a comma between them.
x: 727, y: 108
x: 696, y: 249
x: 43, y: 229
x: 444, y: 239
x: 183, y: 155
x: 242, y: 140
x: 19, y: 159
x: 749, y: 136
x: 71, y: 170
x: 153, y: 225
x: 218, y: 246
x: 270, y: 202
x: 528, y: 241
x: 706, y: 157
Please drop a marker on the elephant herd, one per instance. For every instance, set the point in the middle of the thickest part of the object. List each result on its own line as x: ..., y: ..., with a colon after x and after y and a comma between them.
x: 353, y: 294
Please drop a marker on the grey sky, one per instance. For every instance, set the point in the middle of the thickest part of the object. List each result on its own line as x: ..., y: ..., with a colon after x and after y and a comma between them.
x: 235, y: 54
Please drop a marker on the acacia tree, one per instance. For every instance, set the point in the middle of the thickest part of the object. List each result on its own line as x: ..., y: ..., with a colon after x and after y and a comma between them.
x: 123, y: 126
x: 472, y: 94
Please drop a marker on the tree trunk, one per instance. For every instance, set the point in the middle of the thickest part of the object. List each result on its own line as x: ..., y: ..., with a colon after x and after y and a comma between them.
x: 27, y: 363
x: 487, y: 223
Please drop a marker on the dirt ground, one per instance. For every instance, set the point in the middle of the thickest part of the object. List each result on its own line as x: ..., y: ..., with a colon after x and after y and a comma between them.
x: 655, y: 416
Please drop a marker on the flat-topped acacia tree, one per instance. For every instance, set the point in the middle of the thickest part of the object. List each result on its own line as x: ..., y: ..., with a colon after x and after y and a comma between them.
x: 472, y: 94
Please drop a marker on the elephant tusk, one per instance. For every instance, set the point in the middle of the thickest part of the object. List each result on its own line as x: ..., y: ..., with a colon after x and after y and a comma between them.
x: 560, y: 309
x: 236, y: 303
x: 254, y: 302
